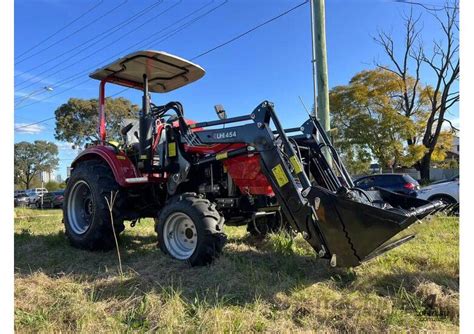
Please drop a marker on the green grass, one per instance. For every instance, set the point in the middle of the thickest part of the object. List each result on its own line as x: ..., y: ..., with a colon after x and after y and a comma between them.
x: 274, y: 285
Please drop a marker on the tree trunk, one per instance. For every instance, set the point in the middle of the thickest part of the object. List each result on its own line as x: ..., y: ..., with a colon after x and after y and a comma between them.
x: 424, y: 167
x: 28, y: 180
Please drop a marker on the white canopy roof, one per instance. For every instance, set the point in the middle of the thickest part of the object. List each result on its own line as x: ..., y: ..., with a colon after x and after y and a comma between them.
x: 165, y: 72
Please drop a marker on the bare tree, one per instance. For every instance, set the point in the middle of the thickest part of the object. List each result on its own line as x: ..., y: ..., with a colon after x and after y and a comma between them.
x: 412, y: 56
x: 443, y: 60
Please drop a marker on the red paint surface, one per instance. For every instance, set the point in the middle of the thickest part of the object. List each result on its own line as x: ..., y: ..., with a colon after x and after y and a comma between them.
x: 247, y: 175
x: 122, y: 168
x: 244, y: 170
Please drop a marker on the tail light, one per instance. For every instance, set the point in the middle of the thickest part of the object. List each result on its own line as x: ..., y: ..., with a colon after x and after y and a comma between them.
x: 409, y: 186
x: 59, y: 198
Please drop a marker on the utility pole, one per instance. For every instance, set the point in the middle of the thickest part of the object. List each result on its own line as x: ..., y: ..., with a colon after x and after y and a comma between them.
x: 320, y: 66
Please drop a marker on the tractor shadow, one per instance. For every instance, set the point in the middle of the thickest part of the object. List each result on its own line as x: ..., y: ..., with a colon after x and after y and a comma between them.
x: 246, y: 272
x: 242, y: 274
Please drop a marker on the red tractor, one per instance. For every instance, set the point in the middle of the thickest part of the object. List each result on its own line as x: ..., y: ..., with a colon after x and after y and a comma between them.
x: 246, y: 170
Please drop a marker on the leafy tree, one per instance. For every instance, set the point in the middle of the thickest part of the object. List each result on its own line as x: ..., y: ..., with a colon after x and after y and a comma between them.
x: 32, y: 159
x: 448, y: 163
x: 443, y: 61
x: 371, y: 121
x: 54, y: 185
x: 356, y: 158
x: 77, y: 120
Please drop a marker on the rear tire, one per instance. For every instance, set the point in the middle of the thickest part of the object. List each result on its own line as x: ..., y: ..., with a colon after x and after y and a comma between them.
x: 189, y: 229
x: 85, y: 211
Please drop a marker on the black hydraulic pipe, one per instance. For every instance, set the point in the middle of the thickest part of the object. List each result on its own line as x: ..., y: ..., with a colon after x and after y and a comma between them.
x: 221, y: 121
x: 143, y: 120
x: 327, y: 142
x: 224, y: 155
x: 288, y: 130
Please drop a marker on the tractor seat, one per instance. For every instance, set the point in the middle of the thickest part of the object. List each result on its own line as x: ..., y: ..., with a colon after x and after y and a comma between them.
x: 130, y: 131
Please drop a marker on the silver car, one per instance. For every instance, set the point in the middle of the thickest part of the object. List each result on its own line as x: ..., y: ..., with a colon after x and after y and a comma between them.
x: 34, y: 196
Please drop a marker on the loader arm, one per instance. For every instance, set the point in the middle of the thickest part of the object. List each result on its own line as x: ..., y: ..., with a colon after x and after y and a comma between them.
x: 340, y: 222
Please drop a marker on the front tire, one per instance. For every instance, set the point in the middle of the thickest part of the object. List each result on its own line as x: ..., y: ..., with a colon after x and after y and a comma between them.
x: 85, y: 211
x: 190, y: 229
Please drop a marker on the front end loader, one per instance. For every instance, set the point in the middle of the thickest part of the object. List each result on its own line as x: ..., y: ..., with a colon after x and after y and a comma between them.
x: 193, y: 177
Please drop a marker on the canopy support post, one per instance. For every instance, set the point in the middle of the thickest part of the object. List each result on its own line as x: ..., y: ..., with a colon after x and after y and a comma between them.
x: 102, y: 129
x: 144, y: 158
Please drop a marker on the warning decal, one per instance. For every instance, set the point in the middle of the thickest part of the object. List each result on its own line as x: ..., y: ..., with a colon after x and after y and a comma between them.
x: 221, y: 156
x: 280, y: 175
x: 172, y: 149
x: 296, y: 164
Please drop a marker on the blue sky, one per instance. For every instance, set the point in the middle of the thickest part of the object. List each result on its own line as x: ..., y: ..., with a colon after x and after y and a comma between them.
x: 272, y: 63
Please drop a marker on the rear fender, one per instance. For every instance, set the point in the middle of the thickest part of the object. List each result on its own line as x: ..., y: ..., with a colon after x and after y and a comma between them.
x: 119, y: 163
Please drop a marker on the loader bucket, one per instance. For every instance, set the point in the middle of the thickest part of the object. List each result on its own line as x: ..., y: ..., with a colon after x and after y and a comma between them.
x: 357, y: 228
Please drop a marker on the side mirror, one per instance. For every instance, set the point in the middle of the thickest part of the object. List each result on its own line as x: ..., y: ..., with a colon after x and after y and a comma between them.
x: 220, y: 111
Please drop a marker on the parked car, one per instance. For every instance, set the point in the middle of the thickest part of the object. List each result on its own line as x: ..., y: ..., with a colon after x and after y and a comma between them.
x: 399, y: 183
x: 53, y: 199
x: 20, y: 198
x: 454, y: 178
x: 447, y: 192
x: 34, y: 195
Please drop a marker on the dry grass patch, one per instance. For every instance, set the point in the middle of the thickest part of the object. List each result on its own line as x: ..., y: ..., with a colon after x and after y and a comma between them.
x: 274, y: 285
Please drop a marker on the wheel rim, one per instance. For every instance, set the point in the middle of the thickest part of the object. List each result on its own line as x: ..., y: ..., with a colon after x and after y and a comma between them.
x: 80, y: 208
x: 180, y: 235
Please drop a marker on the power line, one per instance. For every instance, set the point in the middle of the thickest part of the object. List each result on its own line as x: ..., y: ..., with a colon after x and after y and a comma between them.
x: 51, y: 118
x: 237, y: 37
x: 76, y: 31
x: 202, y: 54
x: 90, y: 54
x: 425, y: 5
x: 39, y: 122
x: 101, y: 36
x: 97, y: 38
x: 250, y: 30
x: 163, y: 38
x: 80, y: 74
x: 58, y: 93
x: 61, y: 29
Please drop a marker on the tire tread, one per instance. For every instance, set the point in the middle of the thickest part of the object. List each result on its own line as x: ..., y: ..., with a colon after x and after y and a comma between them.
x: 203, y: 213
